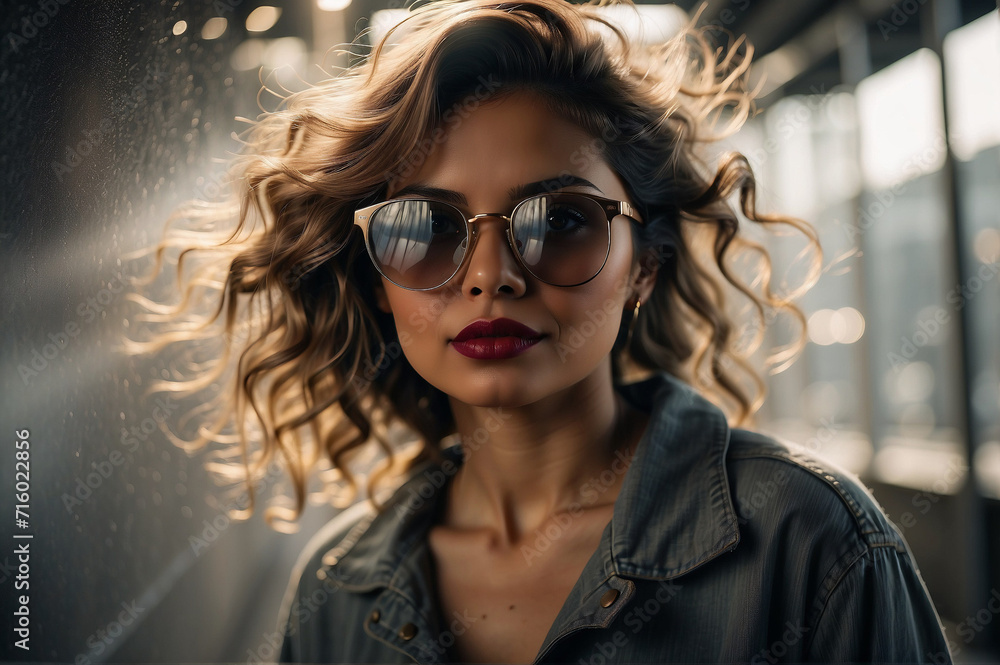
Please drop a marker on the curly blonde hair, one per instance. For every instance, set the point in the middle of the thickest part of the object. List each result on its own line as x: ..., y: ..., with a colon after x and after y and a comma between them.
x: 309, y: 374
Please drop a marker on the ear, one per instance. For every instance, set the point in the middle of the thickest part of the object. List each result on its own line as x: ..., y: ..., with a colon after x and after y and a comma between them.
x: 644, y: 275
x: 381, y: 299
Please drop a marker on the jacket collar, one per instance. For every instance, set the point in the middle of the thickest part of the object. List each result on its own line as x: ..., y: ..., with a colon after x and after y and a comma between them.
x: 673, y: 513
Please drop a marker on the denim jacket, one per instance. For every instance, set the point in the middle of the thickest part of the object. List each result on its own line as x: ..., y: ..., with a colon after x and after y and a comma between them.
x: 724, y: 546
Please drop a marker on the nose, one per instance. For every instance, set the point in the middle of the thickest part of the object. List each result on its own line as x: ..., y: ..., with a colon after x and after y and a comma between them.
x: 491, y: 267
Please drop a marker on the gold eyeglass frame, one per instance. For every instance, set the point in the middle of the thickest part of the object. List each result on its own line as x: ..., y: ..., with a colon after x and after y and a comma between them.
x: 611, y: 208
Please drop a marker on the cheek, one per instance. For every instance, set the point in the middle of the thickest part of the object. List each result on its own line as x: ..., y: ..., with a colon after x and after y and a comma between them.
x: 411, y: 318
x: 592, y: 317
x: 599, y: 310
x: 416, y: 314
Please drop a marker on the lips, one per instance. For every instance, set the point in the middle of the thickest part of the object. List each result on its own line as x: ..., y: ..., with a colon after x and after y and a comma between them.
x: 497, y: 339
x: 496, y: 328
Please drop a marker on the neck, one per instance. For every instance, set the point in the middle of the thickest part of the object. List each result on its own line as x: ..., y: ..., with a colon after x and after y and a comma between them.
x: 524, y: 464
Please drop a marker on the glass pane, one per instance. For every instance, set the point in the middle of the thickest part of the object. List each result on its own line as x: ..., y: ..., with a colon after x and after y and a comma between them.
x: 972, y: 63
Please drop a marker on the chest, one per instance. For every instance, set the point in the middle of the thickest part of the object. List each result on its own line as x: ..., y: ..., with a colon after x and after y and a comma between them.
x: 500, y: 605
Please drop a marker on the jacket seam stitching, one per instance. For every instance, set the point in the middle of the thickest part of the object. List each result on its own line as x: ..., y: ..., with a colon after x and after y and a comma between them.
x: 825, y: 596
x: 859, y: 515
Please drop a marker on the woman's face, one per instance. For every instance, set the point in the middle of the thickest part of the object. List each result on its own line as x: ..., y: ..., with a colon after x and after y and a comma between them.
x: 507, y: 144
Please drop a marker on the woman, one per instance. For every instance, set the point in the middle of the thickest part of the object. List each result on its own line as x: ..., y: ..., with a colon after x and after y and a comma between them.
x: 476, y: 237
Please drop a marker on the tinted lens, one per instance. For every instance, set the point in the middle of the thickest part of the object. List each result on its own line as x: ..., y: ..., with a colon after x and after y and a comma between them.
x: 417, y: 244
x: 563, y: 239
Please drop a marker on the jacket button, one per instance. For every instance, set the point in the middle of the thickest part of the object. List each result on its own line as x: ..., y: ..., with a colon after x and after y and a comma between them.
x: 408, y: 632
x: 609, y: 597
x: 375, y: 616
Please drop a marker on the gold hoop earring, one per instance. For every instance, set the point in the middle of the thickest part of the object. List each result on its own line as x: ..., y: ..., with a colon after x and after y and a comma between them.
x: 631, y: 325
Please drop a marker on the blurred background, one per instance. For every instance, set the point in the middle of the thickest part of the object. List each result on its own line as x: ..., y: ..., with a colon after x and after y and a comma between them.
x: 879, y: 123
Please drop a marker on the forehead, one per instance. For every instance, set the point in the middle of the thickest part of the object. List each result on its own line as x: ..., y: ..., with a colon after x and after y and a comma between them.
x: 509, y: 141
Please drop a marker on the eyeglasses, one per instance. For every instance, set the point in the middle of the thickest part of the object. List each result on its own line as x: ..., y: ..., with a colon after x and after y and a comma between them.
x: 562, y: 239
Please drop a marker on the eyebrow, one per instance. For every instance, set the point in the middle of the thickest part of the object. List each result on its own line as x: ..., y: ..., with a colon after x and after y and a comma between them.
x: 515, y: 193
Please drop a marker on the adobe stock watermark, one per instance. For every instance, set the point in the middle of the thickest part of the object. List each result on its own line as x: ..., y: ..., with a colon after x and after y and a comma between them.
x: 104, y: 469
x: 428, y: 314
x: 763, y: 491
x: 591, y: 490
x: 609, y: 312
x: 823, y: 436
x: 363, y: 380
x: 213, y: 186
x: 212, y: 530
x: 884, y: 199
x: 304, y: 608
x: 708, y: 373
x: 787, y: 125
x: 33, y: 23
x: 302, y: 611
x: 594, y: 149
x: 435, y: 479
x: 779, y: 648
x: 93, y: 138
x: 101, y: 639
x: 924, y: 500
x: 163, y: 409
x: 446, y: 638
x: 929, y: 328
x: 969, y: 628
x: 392, y: 351
x: 898, y: 17
x: 635, y: 619
x: 727, y: 15
x: 451, y: 118
x: 223, y: 6
x: 87, y: 311
x: 761, y: 494
x: 973, y: 625
x: 577, y: 337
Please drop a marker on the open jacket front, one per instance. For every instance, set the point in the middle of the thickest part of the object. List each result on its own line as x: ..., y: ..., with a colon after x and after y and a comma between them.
x: 724, y: 546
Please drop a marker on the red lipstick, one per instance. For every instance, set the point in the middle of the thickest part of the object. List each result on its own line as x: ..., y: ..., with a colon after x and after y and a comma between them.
x: 495, y: 340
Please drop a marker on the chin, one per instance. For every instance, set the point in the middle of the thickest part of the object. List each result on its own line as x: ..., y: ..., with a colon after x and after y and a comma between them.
x: 498, y: 395
x: 497, y: 388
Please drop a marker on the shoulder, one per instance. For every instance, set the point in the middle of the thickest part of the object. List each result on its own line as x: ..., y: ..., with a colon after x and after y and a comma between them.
x: 835, y: 556
x: 813, y: 526
x: 336, y: 536
x: 775, y: 482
